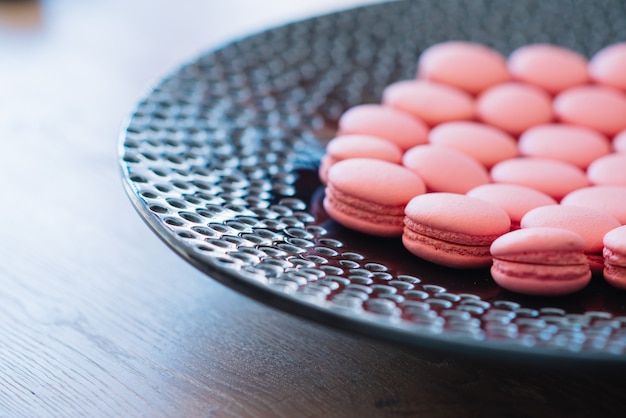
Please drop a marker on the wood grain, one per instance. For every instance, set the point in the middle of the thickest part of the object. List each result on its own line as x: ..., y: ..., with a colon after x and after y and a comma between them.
x: 99, y: 318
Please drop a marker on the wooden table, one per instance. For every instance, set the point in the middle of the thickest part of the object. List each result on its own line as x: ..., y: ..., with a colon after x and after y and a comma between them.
x: 99, y: 318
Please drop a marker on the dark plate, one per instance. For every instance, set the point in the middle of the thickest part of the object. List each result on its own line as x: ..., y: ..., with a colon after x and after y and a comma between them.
x: 220, y: 161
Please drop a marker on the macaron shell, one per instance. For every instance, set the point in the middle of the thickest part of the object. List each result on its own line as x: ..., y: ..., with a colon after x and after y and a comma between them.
x: 363, y: 146
x: 432, y: 102
x: 469, y: 66
x: 516, y: 200
x: 445, y: 169
x: 609, y: 170
x: 608, y: 199
x: 514, y: 107
x: 590, y: 224
x: 457, y: 218
x: 619, y: 142
x: 615, y: 257
x: 370, y: 195
x: 596, y: 107
x: 551, y: 67
x: 399, y: 127
x: 325, y: 163
x: 357, y: 146
x: 487, y: 144
x: 608, y: 66
x: 375, y: 180
x: 615, y: 240
x: 552, y: 177
x: 614, y: 253
x: 538, y: 244
x: 577, y: 145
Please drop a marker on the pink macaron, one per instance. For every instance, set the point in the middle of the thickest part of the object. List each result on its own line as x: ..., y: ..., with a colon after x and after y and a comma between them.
x: 358, y: 146
x: 609, y: 170
x: 552, y: 177
x: 370, y: 195
x: 596, y: 107
x: 432, y: 102
x: 487, y: 144
x: 608, y: 66
x: 469, y: 66
x: 540, y: 261
x: 590, y: 224
x: 609, y: 199
x: 577, y: 145
x: 619, y: 142
x: 553, y: 68
x: 516, y: 200
x: 399, y: 127
x: 453, y: 230
x: 615, y: 257
x: 445, y: 169
x: 514, y: 107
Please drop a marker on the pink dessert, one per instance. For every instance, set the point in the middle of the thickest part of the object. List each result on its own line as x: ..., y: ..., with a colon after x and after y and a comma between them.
x: 609, y: 170
x: 487, y: 144
x: 434, y: 103
x: 608, y: 66
x: 514, y: 107
x: 596, y: 107
x: 590, y: 224
x: 540, y: 261
x: 552, y: 177
x: 619, y: 142
x: 570, y: 143
x: 445, y: 169
x: 453, y: 230
x: 551, y: 67
x: 615, y: 257
x: 385, y: 122
x: 358, y: 146
x: 516, y: 200
x: 370, y: 195
x: 609, y: 199
x: 465, y: 65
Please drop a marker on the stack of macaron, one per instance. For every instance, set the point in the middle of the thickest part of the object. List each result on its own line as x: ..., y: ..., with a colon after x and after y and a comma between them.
x: 518, y: 163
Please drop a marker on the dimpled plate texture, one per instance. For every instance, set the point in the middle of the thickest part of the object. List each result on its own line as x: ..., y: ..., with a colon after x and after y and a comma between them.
x: 220, y: 160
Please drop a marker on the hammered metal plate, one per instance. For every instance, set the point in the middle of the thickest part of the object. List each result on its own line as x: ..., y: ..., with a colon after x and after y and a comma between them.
x: 220, y: 160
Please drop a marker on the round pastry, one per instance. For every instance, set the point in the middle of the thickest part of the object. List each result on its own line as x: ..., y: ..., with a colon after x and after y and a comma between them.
x: 370, y: 195
x: 385, y: 122
x: 609, y: 199
x: 590, y: 224
x: 540, y: 261
x: 453, y: 230
x: 596, y: 107
x: 445, y: 169
x: 358, y: 146
x: 487, y: 144
x: 615, y: 257
x: 465, y: 65
x: 570, y: 143
x: 619, y: 142
x: 514, y: 107
x: 516, y: 200
x: 609, y: 170
x: 551, y: 67
x: 552, y: 177
x: 432, y: 102
x: 607, y: 66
